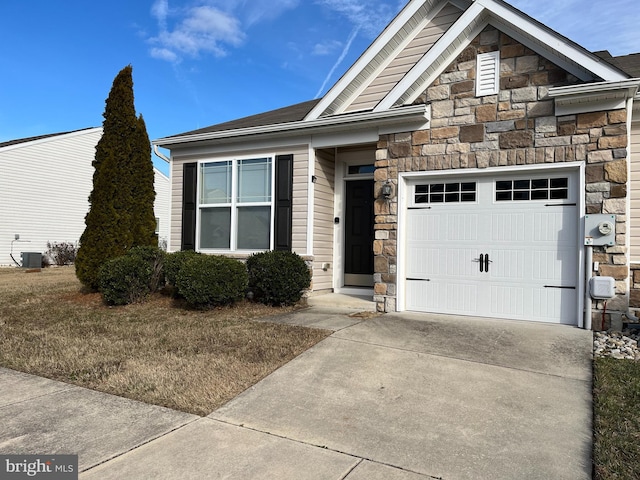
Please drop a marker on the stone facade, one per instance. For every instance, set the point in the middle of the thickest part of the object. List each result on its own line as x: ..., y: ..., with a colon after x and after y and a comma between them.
x: 518, y: 126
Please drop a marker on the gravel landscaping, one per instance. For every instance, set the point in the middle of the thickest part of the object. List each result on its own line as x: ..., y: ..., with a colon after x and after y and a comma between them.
x: 618, y: 345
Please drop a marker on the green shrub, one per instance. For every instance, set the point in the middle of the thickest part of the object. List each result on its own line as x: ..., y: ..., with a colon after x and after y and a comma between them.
x: 277, y: 277
x: 125, y: 280
x: 173, y: 262
x: 208, y: 280
x: 156, y: 259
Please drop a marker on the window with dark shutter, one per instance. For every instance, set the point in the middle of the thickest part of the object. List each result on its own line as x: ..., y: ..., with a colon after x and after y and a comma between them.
x: 284, y: 202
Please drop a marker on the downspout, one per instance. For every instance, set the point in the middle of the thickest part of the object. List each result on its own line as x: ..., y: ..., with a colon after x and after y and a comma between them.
x: 587, y: 293
x: 160, y: 154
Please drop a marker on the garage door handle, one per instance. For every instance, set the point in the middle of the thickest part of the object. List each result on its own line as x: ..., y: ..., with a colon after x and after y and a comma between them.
x: 486, y: 263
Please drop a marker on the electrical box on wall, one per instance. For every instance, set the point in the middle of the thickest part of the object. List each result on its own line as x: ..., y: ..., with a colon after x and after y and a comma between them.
x: 602, y: 288
x: 600, y: 229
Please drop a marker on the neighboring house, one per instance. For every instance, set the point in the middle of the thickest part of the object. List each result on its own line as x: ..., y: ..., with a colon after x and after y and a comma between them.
x: 45, y: 183
x: 452, y: 169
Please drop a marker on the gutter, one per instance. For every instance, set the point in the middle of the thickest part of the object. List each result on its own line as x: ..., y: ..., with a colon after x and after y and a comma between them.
x: 325, y: 124
x: 632, y: 85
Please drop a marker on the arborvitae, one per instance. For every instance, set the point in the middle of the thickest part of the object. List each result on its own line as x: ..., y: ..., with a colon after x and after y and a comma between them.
x: 109, y: 231
x: 143, y: 223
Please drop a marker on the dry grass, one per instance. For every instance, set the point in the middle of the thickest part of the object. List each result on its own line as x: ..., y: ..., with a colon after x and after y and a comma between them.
x: 157, y: 352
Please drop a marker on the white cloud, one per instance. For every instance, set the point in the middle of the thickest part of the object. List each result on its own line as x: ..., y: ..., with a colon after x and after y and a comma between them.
x: 200, y: 29
x: 326, y: 48
x: 209, y: 26
x: 370, y: 16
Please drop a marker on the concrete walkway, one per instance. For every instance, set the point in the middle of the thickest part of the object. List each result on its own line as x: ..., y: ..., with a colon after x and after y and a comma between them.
x: 399, y: 396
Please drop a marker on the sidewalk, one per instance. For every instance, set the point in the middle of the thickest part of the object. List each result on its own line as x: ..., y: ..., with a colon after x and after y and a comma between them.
x: 399, y: 396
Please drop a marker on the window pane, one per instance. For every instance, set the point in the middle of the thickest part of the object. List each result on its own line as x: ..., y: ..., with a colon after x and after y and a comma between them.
x: 253, y: 228
x: 359, y: 169
x: 437, y: 198
x: 540, y: 183
x: 469, y: 197
x: 503, y: 196
x: 215, y: 183
x: 254, y: 180
x: 452, y: 197
x: 503, y: 185
x: 540, y: 195
x: 559, y: 182
x: 469, y: 187
x: 452, y: 187
x: 215, y: 228
x: 521, y: 185
x: 422, y: 188
x: 521, y: 195
x: 437, y: 187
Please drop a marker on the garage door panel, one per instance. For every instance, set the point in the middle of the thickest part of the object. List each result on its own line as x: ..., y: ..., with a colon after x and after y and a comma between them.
x: 508, y: 227
x: 531, y: 247
x: 432, y: 296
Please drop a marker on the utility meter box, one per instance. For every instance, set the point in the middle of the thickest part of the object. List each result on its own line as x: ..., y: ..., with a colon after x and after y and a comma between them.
x: 602, y: 288
x: 600, y: 229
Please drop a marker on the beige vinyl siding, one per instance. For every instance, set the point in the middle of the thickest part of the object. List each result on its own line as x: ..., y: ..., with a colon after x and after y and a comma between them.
x: 300, y: 191
x: 323, y: 227
x: 161, y: 205
x: 635, y: 192
x: 406, y: 59
x: 175, y: 235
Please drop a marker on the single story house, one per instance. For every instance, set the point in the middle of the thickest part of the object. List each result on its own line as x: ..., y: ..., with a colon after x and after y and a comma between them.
x: 45, y: 182
x: 472, y: 161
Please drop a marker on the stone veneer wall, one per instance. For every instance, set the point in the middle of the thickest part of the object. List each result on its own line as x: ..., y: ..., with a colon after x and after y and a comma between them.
x: 517, y: 126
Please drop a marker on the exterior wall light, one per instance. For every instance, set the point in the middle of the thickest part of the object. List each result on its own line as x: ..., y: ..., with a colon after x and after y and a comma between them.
x: 387, y: 189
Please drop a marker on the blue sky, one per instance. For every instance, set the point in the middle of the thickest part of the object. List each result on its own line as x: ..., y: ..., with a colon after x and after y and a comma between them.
x: 201, y: 62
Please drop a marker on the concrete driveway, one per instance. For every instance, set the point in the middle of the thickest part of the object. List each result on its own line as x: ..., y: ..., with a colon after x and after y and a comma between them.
x: 400, y: 396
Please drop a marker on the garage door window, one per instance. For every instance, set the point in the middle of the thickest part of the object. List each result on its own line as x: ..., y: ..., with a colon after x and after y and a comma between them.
x: 532, y: 189
x: 445, y: 193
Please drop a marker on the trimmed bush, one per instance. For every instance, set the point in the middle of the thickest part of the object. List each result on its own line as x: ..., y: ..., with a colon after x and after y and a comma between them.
x: 125, y: 280
x: 155, y: 258
x: 209, y: 280
x: 277, y: 277
x: 173, y: 262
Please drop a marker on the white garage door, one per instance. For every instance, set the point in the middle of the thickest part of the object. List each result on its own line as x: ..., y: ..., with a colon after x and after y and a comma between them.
x: 503, y: 246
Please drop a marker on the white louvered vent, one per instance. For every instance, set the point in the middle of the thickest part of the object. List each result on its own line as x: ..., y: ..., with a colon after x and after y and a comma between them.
x: 488, y: 76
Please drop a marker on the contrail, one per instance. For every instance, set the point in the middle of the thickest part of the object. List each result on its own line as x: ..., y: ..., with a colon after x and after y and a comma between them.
x: 352, y: 37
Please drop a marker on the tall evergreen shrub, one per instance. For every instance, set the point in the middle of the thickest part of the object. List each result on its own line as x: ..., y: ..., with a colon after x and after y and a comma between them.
x: 115, y: 204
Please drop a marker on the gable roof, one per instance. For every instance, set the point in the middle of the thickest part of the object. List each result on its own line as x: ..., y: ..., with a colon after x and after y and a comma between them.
x: 41, y: 137
x: 416, y: 47
x: 476, y: 15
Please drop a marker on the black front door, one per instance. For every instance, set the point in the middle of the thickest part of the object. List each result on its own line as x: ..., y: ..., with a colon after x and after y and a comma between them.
x: 358, y: 269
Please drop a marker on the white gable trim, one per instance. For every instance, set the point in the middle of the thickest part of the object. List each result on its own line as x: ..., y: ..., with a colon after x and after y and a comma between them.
x: 547, y: 37
x: 376, y: 47
x: 389, y: 54
x: 434, y: 58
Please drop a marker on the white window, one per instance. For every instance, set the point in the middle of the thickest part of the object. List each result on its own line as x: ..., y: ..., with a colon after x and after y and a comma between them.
x: 488, y: 74
x: 235, y: 210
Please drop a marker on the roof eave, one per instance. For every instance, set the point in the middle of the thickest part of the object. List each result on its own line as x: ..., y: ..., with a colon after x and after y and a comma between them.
x: 320, y: 125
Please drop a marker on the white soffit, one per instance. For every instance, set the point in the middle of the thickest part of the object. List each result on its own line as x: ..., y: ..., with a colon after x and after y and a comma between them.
x: 592, y: 97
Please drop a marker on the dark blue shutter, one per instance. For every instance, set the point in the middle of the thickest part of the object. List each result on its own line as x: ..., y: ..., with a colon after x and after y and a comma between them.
x: 189, y: 207
x: 284, y: 202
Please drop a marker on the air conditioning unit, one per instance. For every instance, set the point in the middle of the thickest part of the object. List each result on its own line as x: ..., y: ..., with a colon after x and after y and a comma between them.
x: 31, y: 259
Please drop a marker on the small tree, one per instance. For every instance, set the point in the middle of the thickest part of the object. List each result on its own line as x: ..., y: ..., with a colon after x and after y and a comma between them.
x: 111, y: 225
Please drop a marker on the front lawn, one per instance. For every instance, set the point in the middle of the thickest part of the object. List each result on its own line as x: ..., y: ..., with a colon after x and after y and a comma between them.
x: 616, y: 396
x: 157, y: 352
